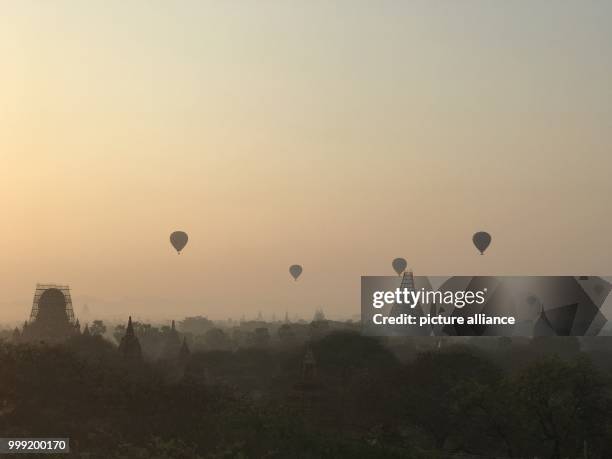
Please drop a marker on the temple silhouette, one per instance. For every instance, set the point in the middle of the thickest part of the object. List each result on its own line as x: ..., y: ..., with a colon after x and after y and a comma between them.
x: 52, y: 317
x: 129, y: 346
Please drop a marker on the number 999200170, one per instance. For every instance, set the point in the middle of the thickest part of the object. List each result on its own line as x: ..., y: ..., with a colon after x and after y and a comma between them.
x: 34, y: 445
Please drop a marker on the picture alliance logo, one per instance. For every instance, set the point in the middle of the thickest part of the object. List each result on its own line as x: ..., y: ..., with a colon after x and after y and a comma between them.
x: 411, y: 298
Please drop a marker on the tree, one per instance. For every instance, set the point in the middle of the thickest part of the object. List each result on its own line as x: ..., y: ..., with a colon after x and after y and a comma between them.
x: 215, y: 338
x: 119, y: 332
x: 435, y: 383
x: 97, y: 328
x: 563, y: 346
x: 261, y: 337
x: 286, y: 333
x: 341, y: 350
x: 197, y: 325
x: 568, y: 402
x: 319, y: 315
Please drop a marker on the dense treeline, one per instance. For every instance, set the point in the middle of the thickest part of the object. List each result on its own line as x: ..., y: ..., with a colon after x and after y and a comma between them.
x: 367, y: 398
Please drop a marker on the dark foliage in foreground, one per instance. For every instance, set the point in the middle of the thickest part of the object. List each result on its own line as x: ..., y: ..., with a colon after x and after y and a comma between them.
x: 499, y: 402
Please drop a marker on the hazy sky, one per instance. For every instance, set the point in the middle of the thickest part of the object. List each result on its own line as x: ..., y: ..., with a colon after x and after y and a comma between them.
x: 338, y: 135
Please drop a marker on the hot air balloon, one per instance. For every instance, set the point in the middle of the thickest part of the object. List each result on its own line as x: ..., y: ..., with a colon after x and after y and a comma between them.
x: 481, y: 240
x: 399, y: 265
x: 295, y: 271
x: 179, y: 239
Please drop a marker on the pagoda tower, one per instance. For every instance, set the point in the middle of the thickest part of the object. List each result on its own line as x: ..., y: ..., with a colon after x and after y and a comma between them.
x: 172, y: 344
x: 130, y: 346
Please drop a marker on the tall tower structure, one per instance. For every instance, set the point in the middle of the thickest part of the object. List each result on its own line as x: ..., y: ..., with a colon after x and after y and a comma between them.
x: 397, y: 309
x: 130, y: 346
x: 52, y: 317
x: 50, y: 290
x: 406, y: 284
x: 172, y: 342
